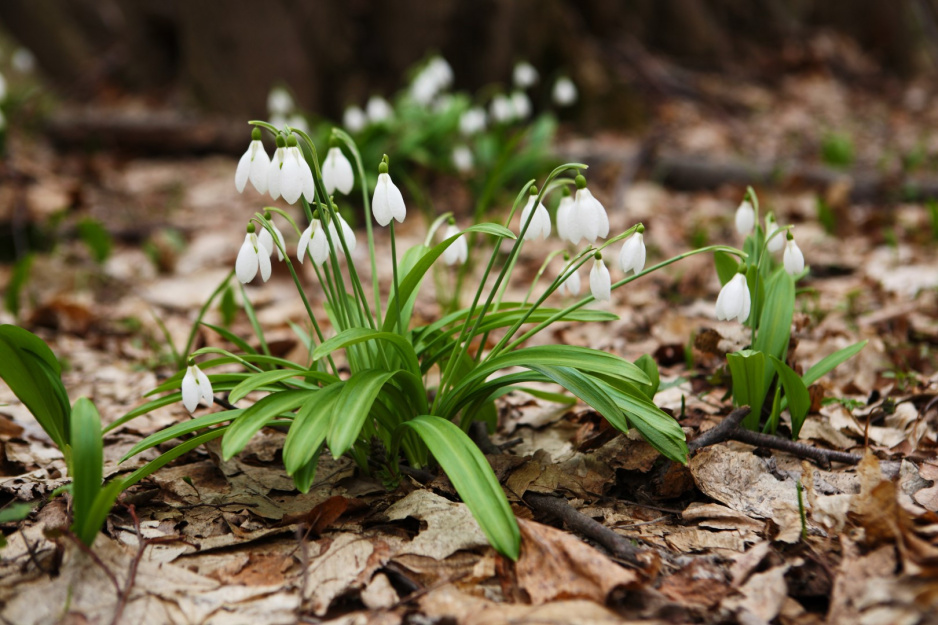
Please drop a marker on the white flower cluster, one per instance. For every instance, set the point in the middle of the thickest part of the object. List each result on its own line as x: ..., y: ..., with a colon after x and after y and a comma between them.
x: 281, y: 110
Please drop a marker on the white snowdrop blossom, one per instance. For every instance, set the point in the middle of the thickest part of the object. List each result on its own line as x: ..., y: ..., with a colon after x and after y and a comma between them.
x: 472, y: 121
x: 254, y: 165
x: 632, y: 256
x: 588, y: 219
x: 387, y: 203
x: 792, y: 258
x: 524, y: 75
x: 354, y: 119
x: 267, y: 241
x: 347, y: 233
x: 313, y: 241
x: 600, y: 281
x: 734, y: 302
x: 337, y: 172
x: 564, y: 92
x: 251, y: 257
x: 279, y: 102
x: 521, y: 104
x: 771, y: 226
x: 196, y: 388
x: 296, y: 178
x: 571, y: 286
x: 463, y: 160
x: 23, y: 61
x: 378, y: 110
x: 501, y: 109
x: 745, y: 218
x: 540, y: 222
x: 458, y: 251
x: 298, y: 121
x: 275, y: 168
x: 564, y: 213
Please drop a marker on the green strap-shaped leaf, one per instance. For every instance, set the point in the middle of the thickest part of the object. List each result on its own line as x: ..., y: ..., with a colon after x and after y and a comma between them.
x: 181, y: 429
x: 647, y: 364
x: 799, y: 401
x: 257, y: 416
x: 587, y: 390
x: 473, y: 479
x: 749, y: 370
x: 413, y: 278
x: 168, y: 456
x: 309, y: 428
x: 827, y: 364
x: 260, y: 380
x: 304, y: 476
x: 354, y: 336
x: 87, y: 466
x: 32, y: 372
x: 353, y: 406
x: 775, y: 320
x: 727, y: 265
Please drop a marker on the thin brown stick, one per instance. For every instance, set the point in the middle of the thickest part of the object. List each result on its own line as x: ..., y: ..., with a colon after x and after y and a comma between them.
x: 94, y: 558
x: 823, y: 457
x: 617, y: 545
x: 721, y: 432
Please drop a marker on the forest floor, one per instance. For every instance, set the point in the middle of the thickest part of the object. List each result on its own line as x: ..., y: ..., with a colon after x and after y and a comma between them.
x: 718, y: 540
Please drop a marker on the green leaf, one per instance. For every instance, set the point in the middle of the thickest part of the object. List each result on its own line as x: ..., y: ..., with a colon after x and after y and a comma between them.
x: 414, y: 277
x: 252, y: 317
x: 473, y: 479
x: 353, y: 406
x: 96, y: 237
x: 309, y: 428
x: 304, y: 476
x: 87, y: 466
x: 354, y: 336
x: 749, y: 371
x: 267, y: 378
x: 181, y: 429
x: 167, y: 457
x: 775, y: 321
x: 647, y: 364
x: 587, y: 390
x: 101, y: 507
x: 257, y: 416
x: 727, y: 265
x: 799, y: 401
x: 32, y: 372
x: 828, y: 363
x: 232, y: 338
x: 18, y: 279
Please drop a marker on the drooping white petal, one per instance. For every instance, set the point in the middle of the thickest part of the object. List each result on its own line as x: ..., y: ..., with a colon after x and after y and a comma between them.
x: 309, y: 186
x: 793, y: 259
x: 521, y: 104
x: 590, y: 216
x: 243, y: 172
x: 632, y: 256
x: 745, y: 218
x: 388, y: 203
x: 540, y: 222
x: 378, y: 110
x: 274, y: 173
x: 472, y: 121
x: 524, y: 75
x: 190, y: 390
x: 734, y: 300
x: 564, y: 92
x: 291, y: 176
x: 354, y: 119
x: 348, y: 234
x: 600, y: 281
x: 337, y: 172
x: 463, y: 160
x: 319, y: 246
x: 571, y: 286
x: 774, y: 243
x: 458, y: 251
x: 205, y: 387
x: 246, y: 265
x: 264, y: 262
x: 260, y: 164
x: 304, y: 245
x: 566, y: 225
x: 267, y: 241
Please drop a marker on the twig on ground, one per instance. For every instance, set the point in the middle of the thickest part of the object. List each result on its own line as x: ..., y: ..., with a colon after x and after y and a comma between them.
x: 721, y: 432
x: 480, y: 436
x: 94, y: 558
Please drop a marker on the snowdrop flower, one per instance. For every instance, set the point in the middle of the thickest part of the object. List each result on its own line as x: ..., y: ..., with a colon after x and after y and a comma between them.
x: 441, y: 72
x: 632, y: 256
x: 196, y: 388
x: 540, y: 222
x: 296, y: 178
x: 253, y: 256
x: 298, y: 121
x: 501, y: 109
x: 564, y: 212
x: 279, y: 101
x: 267, y: 241
x: 275, y: 168
x: 793, y: 259
x: 770, y: 227
x: 564, y: 92
x: 524, y: 75
x: 423, y: 89
x: 23, y: 61
x: 588, y: 218
x: 745, y: 218
x: 472, y: 121
x: 337, y: 171
x: 463, y: 160
x: 734, y: 301
x: 254, y: 165
x: 354, y: 119
x: 458, y: 251
x: 571, y: 285
x: 313, y: 241
x: 521, y: 104
x: 387, y: 203
x: 378, y: 110
x: 600, y: 280
x: 347, y: 233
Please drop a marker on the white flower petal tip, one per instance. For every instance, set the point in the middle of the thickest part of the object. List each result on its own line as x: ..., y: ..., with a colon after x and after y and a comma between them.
x: 472, y: 121
x: 745, y: 218
x: 734, y: 301
x: 571, y: 286
x: 525, y: 75
x: 387, y: 203
x: 566, y: 226
x: 354, y: 119
x: 463, y: 160
x: 378, y: 110
x: 296, y: 177
x: 589, y: 216
x: 600, y: 281
x: 274, y: 171
x: 793, y: 259
x: 540, y: 222
x: 564, y: 92
x: 267, y: 241
x: 521, y: 105
x: 337, y: 172
x: 196, y: 388
x: 775, y: 243
x: 458, y: 251
x: 251, y: 257
x: 632, y: 256
x: 253, y: 166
